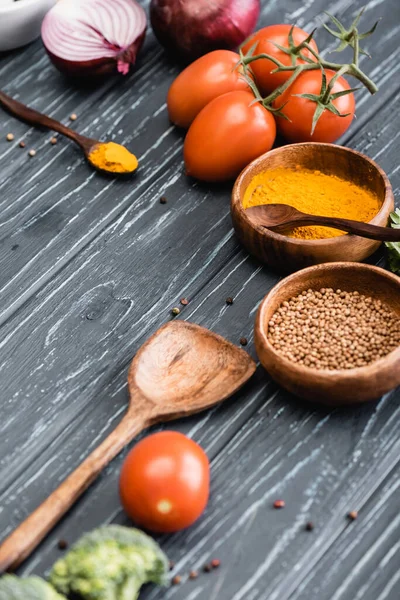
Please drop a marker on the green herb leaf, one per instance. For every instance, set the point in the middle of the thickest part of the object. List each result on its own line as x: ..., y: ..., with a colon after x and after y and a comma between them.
x: 394, y: 247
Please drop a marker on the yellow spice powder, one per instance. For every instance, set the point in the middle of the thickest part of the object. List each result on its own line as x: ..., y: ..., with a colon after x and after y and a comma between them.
x: 315, y: 193
x: 113, y: 158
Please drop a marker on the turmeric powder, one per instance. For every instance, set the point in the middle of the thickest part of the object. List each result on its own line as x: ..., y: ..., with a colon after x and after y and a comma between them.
x: 315, y: 193
x: 113, y: 158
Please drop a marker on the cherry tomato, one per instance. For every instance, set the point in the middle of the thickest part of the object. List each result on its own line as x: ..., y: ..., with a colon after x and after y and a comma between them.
x: 230, y: 132
x: 164, y: 483
x: 265, y: 40
x: 210, y: 76
x: 301, y: 111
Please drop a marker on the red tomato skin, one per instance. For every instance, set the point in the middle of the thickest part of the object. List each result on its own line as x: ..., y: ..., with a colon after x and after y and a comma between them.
x: 300, y: 111
x: 227, y: 135
x: 207, y: 78
x: 165, y: 467
x: 265, y: 39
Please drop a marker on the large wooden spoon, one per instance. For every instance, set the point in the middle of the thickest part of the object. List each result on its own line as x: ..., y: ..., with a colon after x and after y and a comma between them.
x: 181, y: 370
x: 282, y: 217
x: 37, y: 119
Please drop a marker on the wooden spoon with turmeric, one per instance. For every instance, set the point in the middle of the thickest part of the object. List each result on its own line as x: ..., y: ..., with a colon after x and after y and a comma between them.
x: 282, y: 217
x: 107, y: 157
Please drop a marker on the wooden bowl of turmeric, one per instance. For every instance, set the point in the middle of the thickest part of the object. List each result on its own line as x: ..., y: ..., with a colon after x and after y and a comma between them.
x: 316, y: 178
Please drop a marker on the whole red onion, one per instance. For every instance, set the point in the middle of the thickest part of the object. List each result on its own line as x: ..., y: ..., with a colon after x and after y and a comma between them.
x: 94, y: 37
x: 190, y: 28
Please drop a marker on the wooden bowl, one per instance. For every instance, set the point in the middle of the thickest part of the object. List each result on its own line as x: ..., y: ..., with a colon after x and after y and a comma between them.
x: 288, y: 254
x: 340, y: 386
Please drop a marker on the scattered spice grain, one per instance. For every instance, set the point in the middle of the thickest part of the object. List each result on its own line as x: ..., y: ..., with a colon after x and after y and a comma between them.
x: 163, y: 200
x: 279, y: 504
x: 171, y: 565
x: 309, y: 526
x: 176, y: 311
x: 10, y: 137
x: 334, y: 329
x: 73, y: 117
x: 215, y: 563
x: 229, y: 300
x: 243, y: 341
x: 53, y: 141
x: 193, y: 574
x: 207, y: 568
x: 22, y: 144
x: 32, y: 153
x: 184, y: 301
x: 353, y: 515
x: 62, y: 544
x: 176, y: 580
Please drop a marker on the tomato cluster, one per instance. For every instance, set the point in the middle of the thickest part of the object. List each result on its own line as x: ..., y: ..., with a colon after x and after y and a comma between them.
x: 228, y: 123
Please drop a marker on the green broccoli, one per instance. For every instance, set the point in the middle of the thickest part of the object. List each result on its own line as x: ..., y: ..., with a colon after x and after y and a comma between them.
x: 29, y: 588
x: 110, y: 563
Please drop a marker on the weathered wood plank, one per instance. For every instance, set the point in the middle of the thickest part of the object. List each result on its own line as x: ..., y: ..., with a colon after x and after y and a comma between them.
x: 63, y: 360
x: 370, y: 551
x: 324, y: 466
x: 56, y: 211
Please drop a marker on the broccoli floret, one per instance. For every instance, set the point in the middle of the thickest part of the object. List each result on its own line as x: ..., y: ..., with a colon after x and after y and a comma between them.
x: 29, y: 588
x: 110, y: 563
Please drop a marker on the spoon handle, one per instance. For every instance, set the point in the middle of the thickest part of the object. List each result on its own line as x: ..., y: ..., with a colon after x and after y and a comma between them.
x: 35, y: 118
x: 373, y: 232
x: 18, y: 546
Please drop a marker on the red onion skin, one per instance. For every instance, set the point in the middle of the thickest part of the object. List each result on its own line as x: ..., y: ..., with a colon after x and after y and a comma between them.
x: 94, y: 69
x: 210, y: 28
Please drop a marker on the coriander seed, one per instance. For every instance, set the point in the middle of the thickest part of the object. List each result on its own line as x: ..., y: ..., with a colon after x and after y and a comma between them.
x: 334, y: 329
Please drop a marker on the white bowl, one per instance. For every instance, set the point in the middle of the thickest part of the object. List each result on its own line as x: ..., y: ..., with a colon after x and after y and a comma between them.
x: 20, y: 21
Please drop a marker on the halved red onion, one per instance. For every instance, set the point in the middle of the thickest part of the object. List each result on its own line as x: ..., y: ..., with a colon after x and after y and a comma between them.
x: 190, y: 28
x: 94, y: 37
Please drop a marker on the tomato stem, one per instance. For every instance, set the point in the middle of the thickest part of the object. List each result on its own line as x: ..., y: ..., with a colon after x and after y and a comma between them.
x: 348, y: 37
x: 351, y: 69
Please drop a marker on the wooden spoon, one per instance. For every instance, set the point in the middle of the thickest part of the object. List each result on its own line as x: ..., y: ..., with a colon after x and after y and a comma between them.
x: 282, y: 217
x: 181, y: 370
x: 37, y: 119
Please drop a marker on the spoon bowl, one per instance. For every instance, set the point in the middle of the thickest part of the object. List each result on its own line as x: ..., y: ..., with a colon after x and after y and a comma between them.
x: 181, y: 370
x: 282, y: 217
x: 184, y: 369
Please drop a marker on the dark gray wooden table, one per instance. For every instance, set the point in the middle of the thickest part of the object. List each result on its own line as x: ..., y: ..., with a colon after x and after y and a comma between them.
x: 90, y: 267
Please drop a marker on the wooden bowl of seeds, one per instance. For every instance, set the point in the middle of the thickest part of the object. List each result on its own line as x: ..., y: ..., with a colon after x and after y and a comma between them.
x: 287, y: 254
x: 331, y: 333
